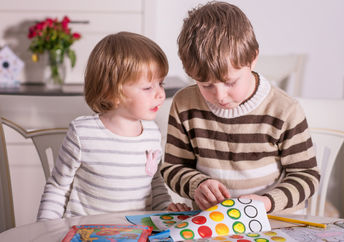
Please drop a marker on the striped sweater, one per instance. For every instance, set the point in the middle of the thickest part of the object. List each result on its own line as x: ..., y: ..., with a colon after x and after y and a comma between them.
x: 100, y: 172
x: 263, y: 146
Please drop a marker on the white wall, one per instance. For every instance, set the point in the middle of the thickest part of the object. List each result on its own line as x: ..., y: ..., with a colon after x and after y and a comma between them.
x: 312, y: 27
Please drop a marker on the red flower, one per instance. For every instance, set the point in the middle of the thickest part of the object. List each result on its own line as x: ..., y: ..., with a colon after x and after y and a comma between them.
x: 76, y: 36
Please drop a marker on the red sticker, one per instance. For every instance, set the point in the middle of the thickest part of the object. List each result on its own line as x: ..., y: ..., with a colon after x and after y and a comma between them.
x: 205, y: 232
x: 199, y: 220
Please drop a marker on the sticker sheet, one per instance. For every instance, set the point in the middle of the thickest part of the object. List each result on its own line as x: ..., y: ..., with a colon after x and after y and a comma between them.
x: 230, y: 217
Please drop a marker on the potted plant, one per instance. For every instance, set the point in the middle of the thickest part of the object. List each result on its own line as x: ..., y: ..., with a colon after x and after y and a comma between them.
x: 56, y: 38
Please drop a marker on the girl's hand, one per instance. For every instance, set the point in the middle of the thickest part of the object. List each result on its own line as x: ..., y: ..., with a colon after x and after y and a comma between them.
x: 178, y: 207
x: 210, y: 193
x: 264, y: 199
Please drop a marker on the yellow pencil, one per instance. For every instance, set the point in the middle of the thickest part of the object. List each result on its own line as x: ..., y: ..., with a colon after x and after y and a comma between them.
x: 290, y: 220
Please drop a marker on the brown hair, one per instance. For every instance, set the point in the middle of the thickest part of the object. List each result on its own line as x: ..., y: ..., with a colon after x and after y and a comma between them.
x: 118, y: 59
x: 211, y: 36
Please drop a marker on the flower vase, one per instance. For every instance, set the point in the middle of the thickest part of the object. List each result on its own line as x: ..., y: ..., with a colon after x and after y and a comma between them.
x: 57, y: 69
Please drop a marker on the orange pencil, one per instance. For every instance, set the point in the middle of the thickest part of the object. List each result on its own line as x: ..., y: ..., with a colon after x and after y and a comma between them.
x: 290, y: 220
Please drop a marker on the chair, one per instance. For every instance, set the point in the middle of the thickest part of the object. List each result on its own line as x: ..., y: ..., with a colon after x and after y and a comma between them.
x: 45, y: 140
x: 328, y: 144
x: 7, y: 219
x: 285, y: 71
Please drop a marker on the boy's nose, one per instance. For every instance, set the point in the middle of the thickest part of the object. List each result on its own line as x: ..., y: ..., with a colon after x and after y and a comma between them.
x: 220, y: 93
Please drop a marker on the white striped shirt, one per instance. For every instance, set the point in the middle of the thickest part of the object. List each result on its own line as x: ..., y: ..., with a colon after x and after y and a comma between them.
x: 98, y: 171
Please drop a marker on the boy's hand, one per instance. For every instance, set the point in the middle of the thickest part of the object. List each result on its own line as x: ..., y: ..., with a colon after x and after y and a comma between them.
x: 178, y: 207
x: 264, y: 199
x: 210, y: 193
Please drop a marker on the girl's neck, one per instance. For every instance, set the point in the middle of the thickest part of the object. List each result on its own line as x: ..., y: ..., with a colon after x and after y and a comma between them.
x: 120, y: 125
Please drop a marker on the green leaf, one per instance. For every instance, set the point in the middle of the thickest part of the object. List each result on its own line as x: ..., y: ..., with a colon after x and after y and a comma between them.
x: 72, y: 57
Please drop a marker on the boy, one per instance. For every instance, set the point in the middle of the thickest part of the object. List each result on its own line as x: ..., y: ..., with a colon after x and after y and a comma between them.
x: 233, y: 134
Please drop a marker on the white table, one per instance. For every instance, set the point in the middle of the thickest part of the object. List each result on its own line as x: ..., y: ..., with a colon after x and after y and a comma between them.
x: 55, y: 230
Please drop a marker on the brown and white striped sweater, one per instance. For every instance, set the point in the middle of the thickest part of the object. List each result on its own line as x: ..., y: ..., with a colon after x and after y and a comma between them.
x: 262, y: 147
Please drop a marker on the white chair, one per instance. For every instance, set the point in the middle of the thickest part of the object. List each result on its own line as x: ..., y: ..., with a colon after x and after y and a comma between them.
x: 45, y: 141
x: 328, y: 144
x: 7, y: 219
x: 326, y: 121
x: 285, y: 71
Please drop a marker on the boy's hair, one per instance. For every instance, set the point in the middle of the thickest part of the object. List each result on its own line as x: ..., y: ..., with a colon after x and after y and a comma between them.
x: 117, y: 59
x: 211, y: 36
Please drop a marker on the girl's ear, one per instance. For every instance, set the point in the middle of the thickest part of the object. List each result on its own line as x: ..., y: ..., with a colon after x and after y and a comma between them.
x: 117, y: 102
x: 253, y: 64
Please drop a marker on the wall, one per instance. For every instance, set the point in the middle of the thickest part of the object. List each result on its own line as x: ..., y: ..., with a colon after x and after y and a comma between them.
x: 282, y: 27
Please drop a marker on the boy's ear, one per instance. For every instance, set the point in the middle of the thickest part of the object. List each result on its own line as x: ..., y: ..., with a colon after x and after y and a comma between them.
x: 253, y: 64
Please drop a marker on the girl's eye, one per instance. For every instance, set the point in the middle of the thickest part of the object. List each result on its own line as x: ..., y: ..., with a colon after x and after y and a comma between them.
x: 161, y: 84
x: 231, y: 84
x: 147, y: 88
x: 207, y: 86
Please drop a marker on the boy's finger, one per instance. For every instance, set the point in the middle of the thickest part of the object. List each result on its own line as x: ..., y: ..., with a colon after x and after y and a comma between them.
x: 223, y: 189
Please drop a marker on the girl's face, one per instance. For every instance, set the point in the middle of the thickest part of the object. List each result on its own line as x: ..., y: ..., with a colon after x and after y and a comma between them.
x: 239, y: 86
x: 142, y: 98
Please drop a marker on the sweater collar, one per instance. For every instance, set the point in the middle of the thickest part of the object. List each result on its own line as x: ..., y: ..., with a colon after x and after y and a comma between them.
x: 246, y: 107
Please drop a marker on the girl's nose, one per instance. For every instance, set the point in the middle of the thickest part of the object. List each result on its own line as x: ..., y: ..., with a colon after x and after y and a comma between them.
x: 160, y: 94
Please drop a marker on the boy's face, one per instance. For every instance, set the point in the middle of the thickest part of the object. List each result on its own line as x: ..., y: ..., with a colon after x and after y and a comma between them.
x: 239, y: 86
x: 142, y: 98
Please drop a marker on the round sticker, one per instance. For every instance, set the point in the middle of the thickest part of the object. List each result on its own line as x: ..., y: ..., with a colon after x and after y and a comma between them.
x: 212, y: 208
x: 181, y: 225
x: 228, y: 203
x: 252, y: 235
x: 270, y: 233
x: 233, y: 213
x: 199, y: 220
x: 187, y: 234
x: 278, y: 238
x: 166, y: 217
x: 205, y: 232
x: 221, y: 229
x: 183, y: 217
x: 216, y: 216
x: 261, y: 240
x: 236, y: 236
x: 238, y: 227
x: 170, y: 222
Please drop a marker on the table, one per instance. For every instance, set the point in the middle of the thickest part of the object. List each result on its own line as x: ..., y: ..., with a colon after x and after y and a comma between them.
x: 55, y: 230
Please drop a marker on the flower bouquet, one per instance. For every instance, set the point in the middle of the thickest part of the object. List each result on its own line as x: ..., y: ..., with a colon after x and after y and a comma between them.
x: 56, y: 38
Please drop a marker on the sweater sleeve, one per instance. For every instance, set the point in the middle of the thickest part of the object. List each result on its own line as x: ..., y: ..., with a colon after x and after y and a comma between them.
x: 160, y: 197
x: 179, y: 167
x: 298, y: 160
x: 57, y: 189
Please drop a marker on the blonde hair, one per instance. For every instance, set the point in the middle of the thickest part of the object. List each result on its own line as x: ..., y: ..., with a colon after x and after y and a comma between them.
x: 118, y: 59
x: 211, y: 36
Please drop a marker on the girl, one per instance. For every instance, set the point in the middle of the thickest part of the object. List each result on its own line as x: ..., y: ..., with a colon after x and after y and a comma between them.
x: 108, y: 162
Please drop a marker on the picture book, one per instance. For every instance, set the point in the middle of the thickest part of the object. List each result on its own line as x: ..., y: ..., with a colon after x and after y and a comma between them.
x: 108, y: 232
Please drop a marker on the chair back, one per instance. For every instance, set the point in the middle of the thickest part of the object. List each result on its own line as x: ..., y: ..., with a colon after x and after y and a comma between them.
x: 328, y: 144
x: 285, y: 71
x: 46, y: 141
x: 7, y: 219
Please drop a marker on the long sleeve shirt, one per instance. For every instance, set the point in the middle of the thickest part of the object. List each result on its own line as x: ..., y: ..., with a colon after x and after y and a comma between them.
x: 263, y: 146
x: 99, y: 172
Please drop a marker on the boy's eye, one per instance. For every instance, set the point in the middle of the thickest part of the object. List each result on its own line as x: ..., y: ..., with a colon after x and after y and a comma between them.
x: 147, y: 88
x: 161, y: 84
x: 207, y: 86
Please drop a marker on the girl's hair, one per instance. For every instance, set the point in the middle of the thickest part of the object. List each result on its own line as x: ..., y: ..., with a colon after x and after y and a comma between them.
x: 211, y: 36
x: 117, y: 59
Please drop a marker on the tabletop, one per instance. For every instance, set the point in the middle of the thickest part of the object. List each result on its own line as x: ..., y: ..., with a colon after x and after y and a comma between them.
x: 55, y: 230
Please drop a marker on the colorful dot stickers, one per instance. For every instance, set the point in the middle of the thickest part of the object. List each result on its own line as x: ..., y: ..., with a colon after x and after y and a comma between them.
x: 230, y: 217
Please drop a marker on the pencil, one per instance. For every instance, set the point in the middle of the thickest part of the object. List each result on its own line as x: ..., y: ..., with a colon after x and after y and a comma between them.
x: 290, y: 220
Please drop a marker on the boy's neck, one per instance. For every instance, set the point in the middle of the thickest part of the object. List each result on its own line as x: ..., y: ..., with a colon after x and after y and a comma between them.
x: 256, y: 84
